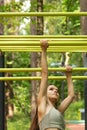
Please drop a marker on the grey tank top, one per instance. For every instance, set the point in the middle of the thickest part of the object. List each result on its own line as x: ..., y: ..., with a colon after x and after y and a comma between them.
x: 54, y: 119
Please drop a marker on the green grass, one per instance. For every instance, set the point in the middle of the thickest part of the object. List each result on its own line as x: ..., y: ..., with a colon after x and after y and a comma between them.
x: 18, y: 122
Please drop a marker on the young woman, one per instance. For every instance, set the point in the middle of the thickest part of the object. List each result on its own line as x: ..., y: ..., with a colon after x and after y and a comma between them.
x: 48, y: 117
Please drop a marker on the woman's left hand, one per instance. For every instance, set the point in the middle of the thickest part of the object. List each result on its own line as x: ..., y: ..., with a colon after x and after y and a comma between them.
x: 68, y: 70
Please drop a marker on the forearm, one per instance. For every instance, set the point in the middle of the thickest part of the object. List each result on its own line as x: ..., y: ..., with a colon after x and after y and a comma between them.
x: 67, y: 101
x: 44, y: 65
x: 70, y: 85
x: 44, y: 72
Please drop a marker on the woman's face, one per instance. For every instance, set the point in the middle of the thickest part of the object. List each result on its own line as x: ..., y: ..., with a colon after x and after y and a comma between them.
x: 52, y: 93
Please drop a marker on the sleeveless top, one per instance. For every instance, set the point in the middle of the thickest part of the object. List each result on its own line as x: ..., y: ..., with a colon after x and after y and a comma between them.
x: 54, y: 119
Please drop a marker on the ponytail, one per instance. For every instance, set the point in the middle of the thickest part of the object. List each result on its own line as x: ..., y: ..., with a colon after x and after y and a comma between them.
x: 34, y: 124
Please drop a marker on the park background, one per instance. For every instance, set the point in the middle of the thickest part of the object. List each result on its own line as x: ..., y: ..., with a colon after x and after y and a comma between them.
x: 20, y: 96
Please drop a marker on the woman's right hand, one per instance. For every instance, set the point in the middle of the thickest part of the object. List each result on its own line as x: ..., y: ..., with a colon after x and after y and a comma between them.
x: 68, y: 71
x: 44, y: 44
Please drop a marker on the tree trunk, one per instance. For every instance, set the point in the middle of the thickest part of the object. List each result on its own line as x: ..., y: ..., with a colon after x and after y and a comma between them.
x: 9, y: 58
x: 40, y: 31
x: 1, y: 24
x: 36, y: 29
x: 40, y: 22
x: 33, y: 62
x: 9, y: 90
x: 3, y: 121
x: 83, y: 7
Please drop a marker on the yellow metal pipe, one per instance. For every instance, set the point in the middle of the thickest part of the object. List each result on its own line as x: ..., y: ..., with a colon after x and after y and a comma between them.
x: 42, y: 36
x: 38, y: 40
x: 39, y: 78
x: 55, y: 49
x: 52, y: 46
x: 23, y: 14
x: 75, y: 49
x: 63, y: 41
x: 39, y: 48
x: 62, y: 69
x: 36, y: 43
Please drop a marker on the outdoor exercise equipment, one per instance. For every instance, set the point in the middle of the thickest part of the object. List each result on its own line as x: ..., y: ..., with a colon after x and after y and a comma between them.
x: 12, y: 43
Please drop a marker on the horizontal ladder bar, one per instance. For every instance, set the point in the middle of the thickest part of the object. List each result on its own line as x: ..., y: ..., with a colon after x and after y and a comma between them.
x: 43, y: 36
x: 37, y: 43
x: 39, y: 78
x: 10, y: 14
x: 55, y: 49
x: 39, y: 69
x: 63, y: 49
x: 38, y: 40
x: 25, y: 43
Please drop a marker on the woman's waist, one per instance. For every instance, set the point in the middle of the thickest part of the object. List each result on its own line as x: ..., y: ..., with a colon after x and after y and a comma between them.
x: 52, y: 129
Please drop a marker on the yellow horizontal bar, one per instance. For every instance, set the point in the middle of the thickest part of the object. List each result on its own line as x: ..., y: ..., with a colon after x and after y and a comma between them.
x: 39, y: 78
x: 38, y: 40
x: 39, y: 48
x: 50, y: 49
x: 39, y: 69
x: 36, y: 43
x: 43, y: 36
x: 10, y: 14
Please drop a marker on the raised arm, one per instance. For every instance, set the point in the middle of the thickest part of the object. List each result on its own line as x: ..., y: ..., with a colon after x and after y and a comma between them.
x: 66, y: 102
x: 44, y: 75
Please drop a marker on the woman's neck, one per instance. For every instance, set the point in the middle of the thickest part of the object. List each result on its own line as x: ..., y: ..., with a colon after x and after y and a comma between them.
x: 51, y: 103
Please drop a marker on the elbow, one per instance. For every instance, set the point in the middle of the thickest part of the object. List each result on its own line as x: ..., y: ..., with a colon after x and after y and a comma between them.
x: 72, y: 96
